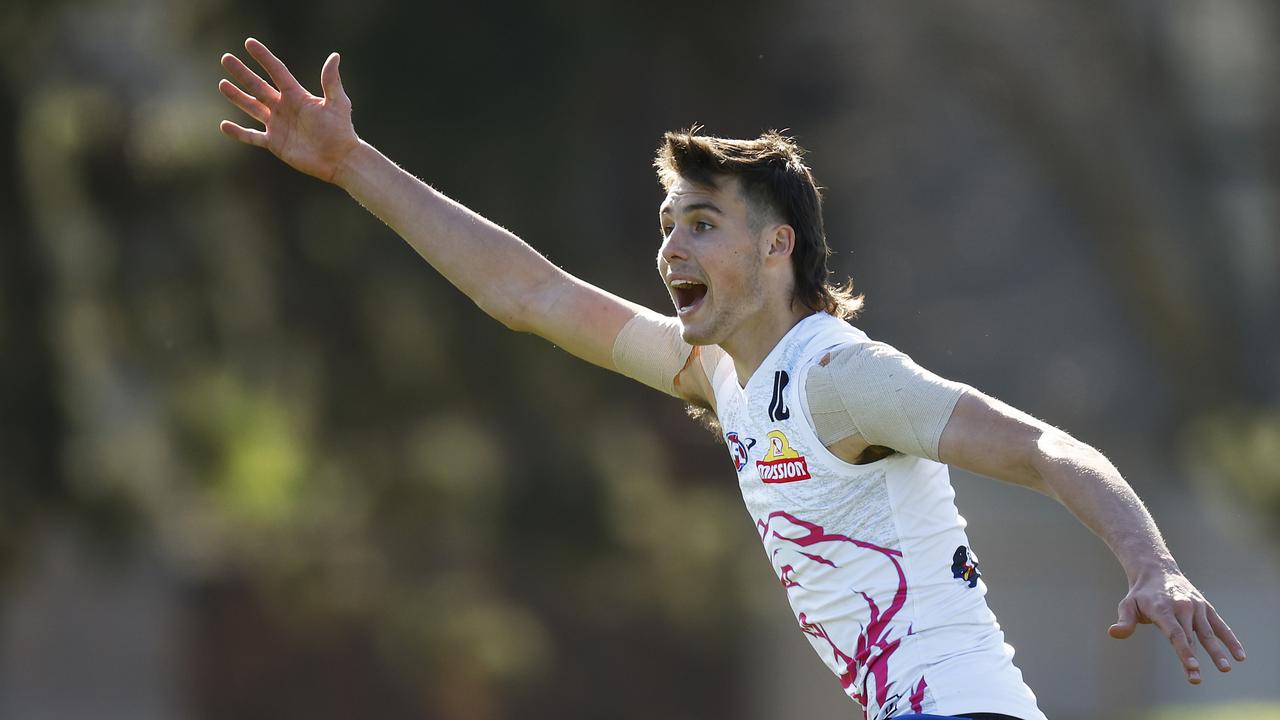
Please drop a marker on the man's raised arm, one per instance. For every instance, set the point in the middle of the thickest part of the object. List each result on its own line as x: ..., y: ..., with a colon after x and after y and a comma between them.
x: 504, y: 276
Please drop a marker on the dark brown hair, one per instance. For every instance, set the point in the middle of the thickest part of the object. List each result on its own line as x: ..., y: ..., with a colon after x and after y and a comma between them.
x: 777, y: 185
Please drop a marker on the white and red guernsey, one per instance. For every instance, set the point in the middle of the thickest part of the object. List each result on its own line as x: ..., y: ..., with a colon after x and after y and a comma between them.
x: 874, y: 558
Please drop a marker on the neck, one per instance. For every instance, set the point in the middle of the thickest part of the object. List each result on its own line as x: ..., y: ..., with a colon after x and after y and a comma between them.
x: 756, y: 337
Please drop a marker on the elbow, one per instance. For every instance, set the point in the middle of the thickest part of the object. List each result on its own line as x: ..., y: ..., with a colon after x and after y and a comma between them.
x: 1058, y: 455
x: 1057, y: 446
x: 511, y: 315
x: 1038, y: 462
x: 514, y: 307
x: 526, y: 308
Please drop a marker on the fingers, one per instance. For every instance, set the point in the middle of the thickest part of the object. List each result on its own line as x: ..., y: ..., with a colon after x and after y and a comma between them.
x: 1184, y: 616
x: 246, y: 102
x: 1222, y: 630
x: 1186, y: 620
x: 250, y: 80
x: 1211, y: 644
x: 331, y: 81
x: 256, y: 138
x: 1179, y: 639
x: 1128, y: 619
x: 280, y: 74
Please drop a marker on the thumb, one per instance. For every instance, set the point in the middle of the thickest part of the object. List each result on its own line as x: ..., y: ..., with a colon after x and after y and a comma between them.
x: 1127, y: 620
x: 331, y: 81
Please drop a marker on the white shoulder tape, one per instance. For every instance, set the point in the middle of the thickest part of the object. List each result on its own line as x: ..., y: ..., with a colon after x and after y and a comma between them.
x: 650, y: 349
x: 880, y: 393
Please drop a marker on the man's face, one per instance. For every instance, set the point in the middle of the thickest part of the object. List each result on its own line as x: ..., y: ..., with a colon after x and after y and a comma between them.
x: 710, y: 259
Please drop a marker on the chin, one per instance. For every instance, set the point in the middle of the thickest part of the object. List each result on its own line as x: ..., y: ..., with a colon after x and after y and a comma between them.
x: 695, y: 338
x: 698, y: 333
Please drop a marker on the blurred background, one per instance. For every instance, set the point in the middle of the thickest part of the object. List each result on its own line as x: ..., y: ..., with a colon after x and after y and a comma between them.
x: 257, y: 460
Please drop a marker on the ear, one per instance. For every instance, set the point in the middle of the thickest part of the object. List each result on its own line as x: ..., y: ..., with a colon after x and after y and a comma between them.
x: 782, y: 241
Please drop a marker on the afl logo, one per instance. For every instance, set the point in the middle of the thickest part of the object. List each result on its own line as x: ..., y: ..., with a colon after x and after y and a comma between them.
x: 738, y: 451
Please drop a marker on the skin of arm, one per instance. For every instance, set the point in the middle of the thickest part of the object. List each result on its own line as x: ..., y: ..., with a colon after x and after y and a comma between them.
x: 505, y: 277
x: 991, y: 438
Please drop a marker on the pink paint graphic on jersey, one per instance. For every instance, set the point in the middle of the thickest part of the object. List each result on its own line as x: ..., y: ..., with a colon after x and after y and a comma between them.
x: 786, y: 577
x: 818, y: 559
x: 875, y: 649
x: 917, y: 696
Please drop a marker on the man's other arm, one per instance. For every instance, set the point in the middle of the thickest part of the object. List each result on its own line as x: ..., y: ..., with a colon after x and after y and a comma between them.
x: 991, y: 438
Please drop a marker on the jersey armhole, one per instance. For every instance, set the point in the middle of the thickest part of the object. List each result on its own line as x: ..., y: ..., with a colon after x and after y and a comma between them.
x: 697, y: 378
x: 803, y: 397
x: 802, y: 382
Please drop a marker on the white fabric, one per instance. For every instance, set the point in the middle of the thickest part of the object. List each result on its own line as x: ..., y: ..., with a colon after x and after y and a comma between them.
x: 867, y: 388
x: 865, y: 552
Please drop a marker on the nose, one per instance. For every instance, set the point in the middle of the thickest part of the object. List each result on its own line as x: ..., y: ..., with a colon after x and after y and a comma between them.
x: 673, y: 246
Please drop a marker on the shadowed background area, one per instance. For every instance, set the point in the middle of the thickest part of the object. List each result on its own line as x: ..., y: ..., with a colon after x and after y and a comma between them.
x: 257, y: 460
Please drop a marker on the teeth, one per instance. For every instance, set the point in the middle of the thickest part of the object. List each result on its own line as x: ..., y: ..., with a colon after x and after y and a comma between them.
x: 683, y: 283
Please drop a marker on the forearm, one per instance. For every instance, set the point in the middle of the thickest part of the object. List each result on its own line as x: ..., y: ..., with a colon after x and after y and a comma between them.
x: 492, y: 266
x: 988, y: 437
x: 1083, y: 480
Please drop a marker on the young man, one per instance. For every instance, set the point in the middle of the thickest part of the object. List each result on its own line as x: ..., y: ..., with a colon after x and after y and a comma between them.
x: 838, y: 441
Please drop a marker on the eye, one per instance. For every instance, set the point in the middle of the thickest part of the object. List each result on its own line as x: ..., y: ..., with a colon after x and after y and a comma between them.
x: 702, y: 226
x: 666, y: 230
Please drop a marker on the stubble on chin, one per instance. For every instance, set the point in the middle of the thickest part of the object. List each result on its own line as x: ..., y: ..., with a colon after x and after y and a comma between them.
x: 702, y: 336
x: 693, y: 337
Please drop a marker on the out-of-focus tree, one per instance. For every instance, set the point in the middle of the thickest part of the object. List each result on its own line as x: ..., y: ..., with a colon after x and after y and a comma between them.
x: 205, y: 348
x: 202, y: 347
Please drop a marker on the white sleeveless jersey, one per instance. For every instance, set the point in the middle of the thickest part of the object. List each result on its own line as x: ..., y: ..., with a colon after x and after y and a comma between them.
x: 874, y: 558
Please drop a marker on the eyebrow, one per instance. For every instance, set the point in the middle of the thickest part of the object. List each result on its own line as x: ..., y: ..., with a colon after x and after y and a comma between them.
x: 691, y: 207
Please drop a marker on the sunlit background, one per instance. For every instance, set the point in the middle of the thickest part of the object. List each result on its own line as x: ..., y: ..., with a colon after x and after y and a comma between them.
x: 258, y: 461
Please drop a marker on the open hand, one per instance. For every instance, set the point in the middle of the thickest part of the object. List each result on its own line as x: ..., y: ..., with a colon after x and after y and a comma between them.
x: 312, y: 134
x: 1170, y: 602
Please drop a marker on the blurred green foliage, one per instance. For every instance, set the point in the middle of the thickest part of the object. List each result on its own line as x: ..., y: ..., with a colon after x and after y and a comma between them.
x: 207, y: 349
x: 203, y: 348
x: 1238, y: 451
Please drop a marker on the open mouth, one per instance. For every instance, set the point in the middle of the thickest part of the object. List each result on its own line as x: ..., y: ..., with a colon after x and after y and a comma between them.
x: 688, y: 295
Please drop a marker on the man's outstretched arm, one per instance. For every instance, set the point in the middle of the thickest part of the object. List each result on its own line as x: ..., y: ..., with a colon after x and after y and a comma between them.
x: 988, y: 437
x: 504, y: 276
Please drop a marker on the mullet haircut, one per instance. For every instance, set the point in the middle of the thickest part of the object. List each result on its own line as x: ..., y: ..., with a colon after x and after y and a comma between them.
x: 777, y: 185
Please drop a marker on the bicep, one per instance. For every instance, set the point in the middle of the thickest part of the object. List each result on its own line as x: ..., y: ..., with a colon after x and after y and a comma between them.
x: 991, y: 438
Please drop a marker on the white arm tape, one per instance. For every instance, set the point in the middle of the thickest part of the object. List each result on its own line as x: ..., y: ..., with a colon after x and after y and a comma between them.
x: 650, y: 349
x: 880, y: 393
